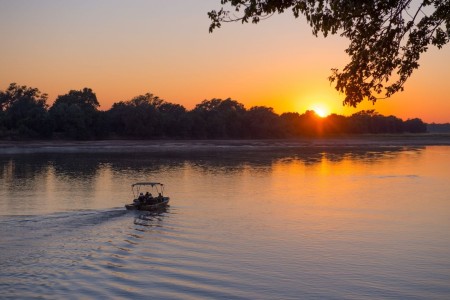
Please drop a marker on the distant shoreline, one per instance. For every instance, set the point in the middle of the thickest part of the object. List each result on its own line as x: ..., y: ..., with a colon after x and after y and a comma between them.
x: 186, y: 146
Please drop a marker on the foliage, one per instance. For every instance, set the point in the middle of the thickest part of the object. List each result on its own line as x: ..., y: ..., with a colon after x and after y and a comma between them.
x: 147, y: 116
x: 75, y: 115
x: 387, y: 37
x: 438, y: 128
x: 85, y: 99
x: 23, y: 112
x: 16, y: 93
x: 262, y: 122
x: 219, y: 118
x: 414, y: 126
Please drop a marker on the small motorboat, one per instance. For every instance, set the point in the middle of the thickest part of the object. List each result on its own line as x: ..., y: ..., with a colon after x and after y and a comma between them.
x: 148, y: 201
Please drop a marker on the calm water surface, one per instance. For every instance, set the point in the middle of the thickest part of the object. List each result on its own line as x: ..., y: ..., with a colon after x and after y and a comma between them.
x: 303, y: 224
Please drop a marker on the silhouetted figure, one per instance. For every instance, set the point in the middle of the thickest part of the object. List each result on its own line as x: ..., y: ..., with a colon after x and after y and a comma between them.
x: 141, y: 197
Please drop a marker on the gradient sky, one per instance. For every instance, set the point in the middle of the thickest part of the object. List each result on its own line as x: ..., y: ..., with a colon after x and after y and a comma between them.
x: 122, y: 49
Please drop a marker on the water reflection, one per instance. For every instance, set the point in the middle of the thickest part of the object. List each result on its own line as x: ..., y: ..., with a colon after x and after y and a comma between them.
x: 42, y: 183
x: 76, y: 167
x: 329, y: 223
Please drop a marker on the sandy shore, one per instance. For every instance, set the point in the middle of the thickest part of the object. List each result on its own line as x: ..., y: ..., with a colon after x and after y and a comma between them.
x: 181, y: 146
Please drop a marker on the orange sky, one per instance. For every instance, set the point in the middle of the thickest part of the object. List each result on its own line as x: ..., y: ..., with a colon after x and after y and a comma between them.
x: 122, y: 49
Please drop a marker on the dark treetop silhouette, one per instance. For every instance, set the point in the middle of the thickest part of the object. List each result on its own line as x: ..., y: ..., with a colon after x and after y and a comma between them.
x: 24, y: 113
x: 386, y: 37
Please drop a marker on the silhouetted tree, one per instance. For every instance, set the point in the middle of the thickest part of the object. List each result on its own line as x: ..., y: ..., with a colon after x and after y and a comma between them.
x: 335, y: 124
x: 438, y: 128
x: 311, y: 124
x: 369, y: 121
x: 262, y: 122
x: 414, y: 126
x: 386, y: 36
x: 391, y: 124
x: 23, y: 112
x: 290, y: 124
x: 75, y: 114
x: 137, y: 117
x: 148, y: 116
x: 175, y: 122
x: 360, y: 122
x: 217, y: 118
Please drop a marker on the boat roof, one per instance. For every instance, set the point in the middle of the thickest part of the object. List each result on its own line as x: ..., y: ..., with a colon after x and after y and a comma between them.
x: 147, y: 183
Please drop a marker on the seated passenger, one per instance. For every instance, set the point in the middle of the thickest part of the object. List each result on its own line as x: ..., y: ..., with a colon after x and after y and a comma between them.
x: 141, y: 197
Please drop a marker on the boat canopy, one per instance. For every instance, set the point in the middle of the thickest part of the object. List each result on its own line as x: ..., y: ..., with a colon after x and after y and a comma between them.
x: 152, y: 184
x: 136, y: 187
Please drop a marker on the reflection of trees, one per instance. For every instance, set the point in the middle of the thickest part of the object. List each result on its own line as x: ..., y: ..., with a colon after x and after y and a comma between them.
x: 27, y: 168
x: 32, y: 174
x: 80, y: 170
x: 82, y: 166
x: 76, y: 166
x: 22, y: 178
x: 85, y: 181
x: 145, y: 163
x: 368, y: 155
x: 235, y: 161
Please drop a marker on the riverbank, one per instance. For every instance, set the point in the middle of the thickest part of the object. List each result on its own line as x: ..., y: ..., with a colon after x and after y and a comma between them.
x: 180, y: 146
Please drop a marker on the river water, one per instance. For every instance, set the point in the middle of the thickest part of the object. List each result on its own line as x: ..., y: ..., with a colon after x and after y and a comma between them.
x: 300, y: 224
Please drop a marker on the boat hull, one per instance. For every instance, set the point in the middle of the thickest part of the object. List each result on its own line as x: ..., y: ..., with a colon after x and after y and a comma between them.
x: 148, y: 206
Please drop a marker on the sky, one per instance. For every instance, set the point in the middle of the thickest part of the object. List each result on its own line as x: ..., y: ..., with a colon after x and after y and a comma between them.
x: 122, y: 49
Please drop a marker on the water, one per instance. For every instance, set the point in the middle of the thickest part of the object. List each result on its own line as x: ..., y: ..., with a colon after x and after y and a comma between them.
x: 298, y: 224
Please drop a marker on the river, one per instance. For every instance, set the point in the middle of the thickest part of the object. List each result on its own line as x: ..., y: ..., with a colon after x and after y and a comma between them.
x: 369, y: 223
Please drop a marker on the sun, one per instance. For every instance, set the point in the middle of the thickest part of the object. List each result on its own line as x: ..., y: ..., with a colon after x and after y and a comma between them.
x: 320, y: 110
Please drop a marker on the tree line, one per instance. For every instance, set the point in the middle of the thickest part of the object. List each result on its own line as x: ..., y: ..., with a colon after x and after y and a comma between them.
x: 25, y: 114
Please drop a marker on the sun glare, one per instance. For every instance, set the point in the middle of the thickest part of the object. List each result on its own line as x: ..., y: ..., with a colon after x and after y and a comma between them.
x: 320, y: 110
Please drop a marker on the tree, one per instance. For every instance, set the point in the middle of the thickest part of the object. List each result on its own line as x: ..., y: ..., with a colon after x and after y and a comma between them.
x: 262, y: 122
x: 147, y: 116
x: 414, y: 126
x: 310, y: 124
x: 217, y: 118
x: 75, y: 114
x: 17, y: 92
x: 174, y: 120
x: 290, y: 124
x: 85, y: 99
x: 361, y: 122
x: 386, y: 37
x: 335, y: 124
x: 23, y: 111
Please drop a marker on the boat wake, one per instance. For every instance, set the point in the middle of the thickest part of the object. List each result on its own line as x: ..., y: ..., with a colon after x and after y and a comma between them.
x: 25, y: 228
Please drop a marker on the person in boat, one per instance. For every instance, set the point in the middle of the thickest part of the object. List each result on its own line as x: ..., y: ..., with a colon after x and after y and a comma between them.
x: 148, y: 198
x: 141, y: 197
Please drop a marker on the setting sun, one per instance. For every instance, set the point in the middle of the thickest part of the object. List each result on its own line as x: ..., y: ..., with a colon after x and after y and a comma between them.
x: 320, y: 110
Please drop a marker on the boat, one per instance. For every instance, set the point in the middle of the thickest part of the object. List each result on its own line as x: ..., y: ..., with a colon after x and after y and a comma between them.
x: 147, y: 201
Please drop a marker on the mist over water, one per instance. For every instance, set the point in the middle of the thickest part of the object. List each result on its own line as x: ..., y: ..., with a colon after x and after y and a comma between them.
x: 309, y: 224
